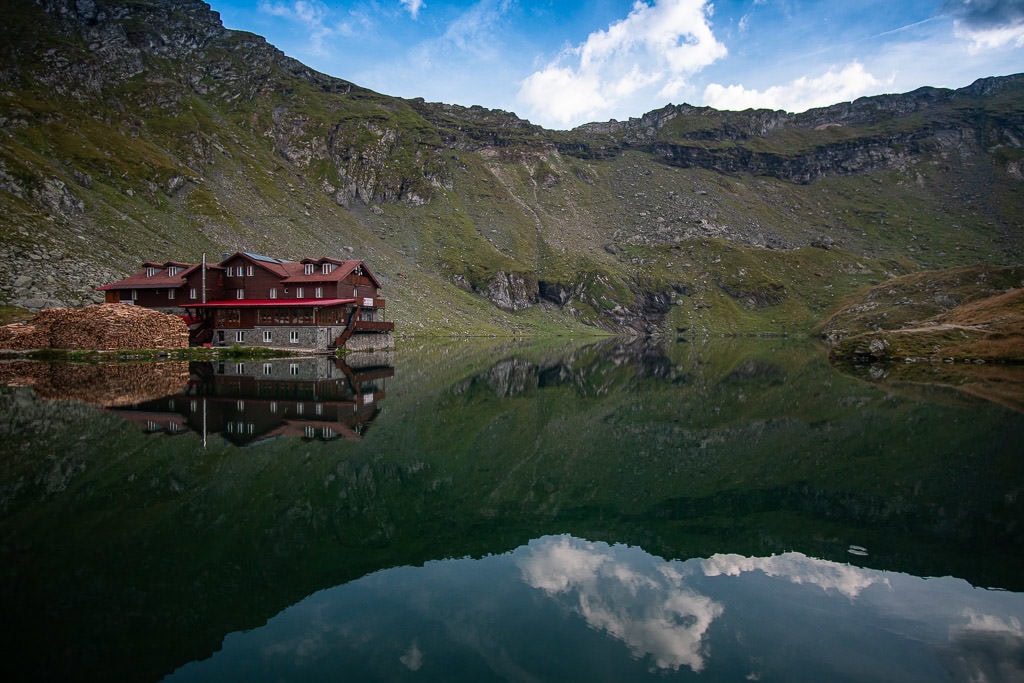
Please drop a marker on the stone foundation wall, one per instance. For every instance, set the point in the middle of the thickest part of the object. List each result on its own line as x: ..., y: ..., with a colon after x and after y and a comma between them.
x: 281, y: 338
x: 370, y: 342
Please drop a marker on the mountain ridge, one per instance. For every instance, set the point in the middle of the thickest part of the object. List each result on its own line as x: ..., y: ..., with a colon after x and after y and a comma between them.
x: 145, y: 130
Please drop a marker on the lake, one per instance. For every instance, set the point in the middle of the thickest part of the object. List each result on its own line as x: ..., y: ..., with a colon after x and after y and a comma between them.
x: 548, y: 511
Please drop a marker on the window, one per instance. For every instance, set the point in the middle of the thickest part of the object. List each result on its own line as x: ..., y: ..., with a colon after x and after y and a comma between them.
x: 239, y: 293
x: 273, y: 292
x: 318, y: 409
x: 299, y: 409
x: 293, y: 338
x: 267, y: 337
x: 171, y: 293
x: 173, y: 270
x: 326, y: 268
x: 298, y: 292
x: 268, y: 368
x: 135, y: 295
x: 310, y: 432
x: 240, y: 406
x: 193, y: 293
x: 239, y: 367
x: 265, y: 316
x: 318, y: 292
x: 239, y: 336
x: 293, y: 368
x: 151, y: 271
x: 308, y: 269
x: 273, y: 407
x: 249, y: 271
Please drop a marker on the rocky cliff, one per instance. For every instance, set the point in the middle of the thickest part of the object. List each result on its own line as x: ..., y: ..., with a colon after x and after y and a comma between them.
x: 146, y: 130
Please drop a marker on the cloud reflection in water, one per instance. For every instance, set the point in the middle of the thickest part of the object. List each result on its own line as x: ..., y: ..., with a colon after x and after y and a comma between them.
x: 652, y: 612
x: 564, y: 608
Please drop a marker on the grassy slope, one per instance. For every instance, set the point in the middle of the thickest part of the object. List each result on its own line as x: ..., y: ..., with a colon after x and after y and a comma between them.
x: 519, y: 206
x: 966, y: 313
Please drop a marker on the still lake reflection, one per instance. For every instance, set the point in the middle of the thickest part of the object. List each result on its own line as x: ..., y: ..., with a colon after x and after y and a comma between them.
x: 511, y: 512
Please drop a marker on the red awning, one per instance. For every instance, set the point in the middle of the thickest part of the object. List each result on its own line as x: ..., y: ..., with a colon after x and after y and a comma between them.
x: 271, y: 303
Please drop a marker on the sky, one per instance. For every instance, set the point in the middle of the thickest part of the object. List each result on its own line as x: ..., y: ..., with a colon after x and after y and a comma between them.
x: 562, y: 63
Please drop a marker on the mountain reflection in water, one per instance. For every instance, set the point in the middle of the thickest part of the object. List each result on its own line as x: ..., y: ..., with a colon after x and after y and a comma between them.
x: 561, y: 606
x: 132, y: 548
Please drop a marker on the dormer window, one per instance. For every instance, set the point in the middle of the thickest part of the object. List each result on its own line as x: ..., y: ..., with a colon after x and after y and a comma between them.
x: 151, y: 271
x: 308, y: 269
x: 173, y: 270
x: 326, y: 268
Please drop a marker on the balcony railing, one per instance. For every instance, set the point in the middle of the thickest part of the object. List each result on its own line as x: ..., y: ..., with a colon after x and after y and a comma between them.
x: 374, y: 326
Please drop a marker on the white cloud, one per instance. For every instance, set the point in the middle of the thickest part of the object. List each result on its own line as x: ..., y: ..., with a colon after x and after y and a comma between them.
x: 649, y: 609
x: 655, y: 46
x: 990, y: 38
x: 804, y: 93
x: 473, y: 30
x: 313, y: 15
x: 797, y: 568
x: 413, y: 7
x: 991, y: 623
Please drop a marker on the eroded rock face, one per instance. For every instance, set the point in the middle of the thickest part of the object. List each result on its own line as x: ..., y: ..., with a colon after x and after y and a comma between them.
x: 512, y: 291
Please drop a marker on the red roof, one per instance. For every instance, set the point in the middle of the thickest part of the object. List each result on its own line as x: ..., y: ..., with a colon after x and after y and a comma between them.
x: 262, y: 303
x: 160, y: 280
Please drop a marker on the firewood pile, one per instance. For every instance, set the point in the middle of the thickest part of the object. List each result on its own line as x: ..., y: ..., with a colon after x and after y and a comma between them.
x: 105, y: 384
x: 107, y: 327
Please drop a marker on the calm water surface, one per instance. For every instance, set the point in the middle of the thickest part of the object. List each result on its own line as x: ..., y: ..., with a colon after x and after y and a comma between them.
x: 737, y: 511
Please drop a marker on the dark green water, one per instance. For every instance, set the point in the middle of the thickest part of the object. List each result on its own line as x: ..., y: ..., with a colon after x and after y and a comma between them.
x: 737, y: 511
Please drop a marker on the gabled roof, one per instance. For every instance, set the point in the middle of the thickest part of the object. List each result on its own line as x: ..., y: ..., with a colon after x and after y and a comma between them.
x: 297, y: 274
x: 274, y: 265
x: 161, y: 280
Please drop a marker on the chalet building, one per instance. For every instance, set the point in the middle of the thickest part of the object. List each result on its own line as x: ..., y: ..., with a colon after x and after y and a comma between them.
x: 254, y: 300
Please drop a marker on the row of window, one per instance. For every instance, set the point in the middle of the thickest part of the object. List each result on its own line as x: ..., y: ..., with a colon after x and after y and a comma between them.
x: 249, y: 271
x: 151, y: 271
x: 325, y: 268
x: 193, y: 293
x: 309, y: 431
x: 300, y: 293
x: 244, y: 270
x: 300, y: 408
x: 268, y: 336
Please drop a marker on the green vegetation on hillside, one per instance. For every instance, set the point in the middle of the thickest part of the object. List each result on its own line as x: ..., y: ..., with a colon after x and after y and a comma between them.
x: 745, y: 222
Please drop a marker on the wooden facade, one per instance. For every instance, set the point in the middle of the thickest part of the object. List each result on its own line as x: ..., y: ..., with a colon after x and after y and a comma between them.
x: 320, y: 302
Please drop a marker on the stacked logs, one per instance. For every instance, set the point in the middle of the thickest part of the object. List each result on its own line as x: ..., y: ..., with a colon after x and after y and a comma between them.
x: 108, y: 327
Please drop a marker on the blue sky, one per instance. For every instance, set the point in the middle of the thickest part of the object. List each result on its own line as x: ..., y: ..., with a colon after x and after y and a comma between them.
x: 561, y: 63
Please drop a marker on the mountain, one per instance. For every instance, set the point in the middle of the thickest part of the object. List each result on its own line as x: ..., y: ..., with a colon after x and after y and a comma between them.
x: 138, y: 130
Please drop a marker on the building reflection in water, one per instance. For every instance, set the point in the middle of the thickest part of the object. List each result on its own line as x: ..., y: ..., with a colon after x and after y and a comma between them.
x: 252, y: 401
